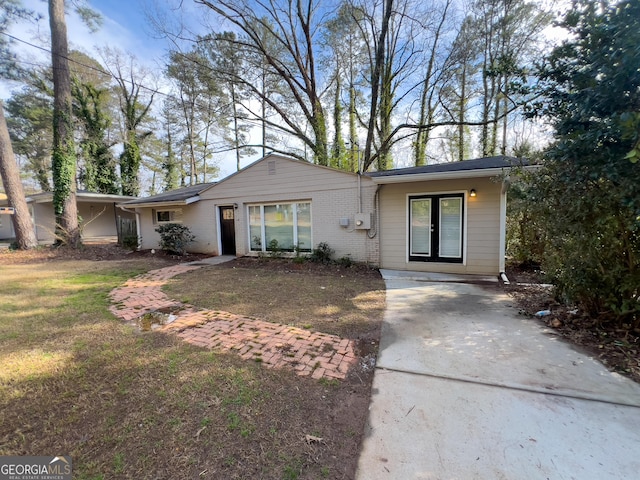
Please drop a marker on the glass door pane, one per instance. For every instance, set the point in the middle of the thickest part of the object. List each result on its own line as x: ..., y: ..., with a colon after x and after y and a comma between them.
x: 421, y: 226
x: 451, y: 227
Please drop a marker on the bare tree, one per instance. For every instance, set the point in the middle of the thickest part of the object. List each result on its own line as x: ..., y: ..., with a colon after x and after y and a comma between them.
x: 508, y: 32
x: 292, y: 26
x: 430, y: 86
x: 134, y: 99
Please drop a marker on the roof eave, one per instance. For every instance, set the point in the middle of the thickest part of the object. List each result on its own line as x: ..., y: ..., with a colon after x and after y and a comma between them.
x: 423, y: 177
x: 173, y: 203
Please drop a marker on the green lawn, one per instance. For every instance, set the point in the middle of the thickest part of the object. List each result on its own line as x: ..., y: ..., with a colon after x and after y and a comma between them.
x: 75, y: 380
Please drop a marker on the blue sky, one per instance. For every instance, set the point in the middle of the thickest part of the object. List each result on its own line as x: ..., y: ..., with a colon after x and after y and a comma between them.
x: 125, y: 27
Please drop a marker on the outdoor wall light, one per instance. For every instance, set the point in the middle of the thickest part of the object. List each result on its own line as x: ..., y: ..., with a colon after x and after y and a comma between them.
x: 473, y: 193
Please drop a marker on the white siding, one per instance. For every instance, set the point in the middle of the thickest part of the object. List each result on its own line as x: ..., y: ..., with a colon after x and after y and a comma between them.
x: 99, y: 219
x: 6, y: 227
x: 333, y: 195
x: 44, y: 219
x: 482, y: 231
x: 200, y: 217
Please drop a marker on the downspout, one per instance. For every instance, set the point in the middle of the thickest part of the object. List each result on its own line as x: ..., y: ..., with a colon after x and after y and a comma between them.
x: 376, y: 214
x: 359, y: 183
x: 115, y: 216
x: 137, y: 214
x: 503, y: 226
x: 359, y: 192
x: 373, y: 232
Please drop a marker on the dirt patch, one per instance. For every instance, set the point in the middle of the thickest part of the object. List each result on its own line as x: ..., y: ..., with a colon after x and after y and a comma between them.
x: 344, y: 301
x: 617, y: 348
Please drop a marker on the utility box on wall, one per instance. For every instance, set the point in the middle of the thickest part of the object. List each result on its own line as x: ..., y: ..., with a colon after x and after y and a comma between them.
x: 362, y: 221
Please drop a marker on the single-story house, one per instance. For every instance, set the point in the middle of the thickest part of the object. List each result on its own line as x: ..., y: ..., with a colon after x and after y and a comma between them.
x: 97, y: 211
x: 448, y: 218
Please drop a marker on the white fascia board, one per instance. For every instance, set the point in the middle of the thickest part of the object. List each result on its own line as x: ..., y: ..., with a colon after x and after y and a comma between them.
x: 102, y: 198
x: 175, y: 203
x: 476, y: 173
x: 191, y: 200
x: 421, y: 177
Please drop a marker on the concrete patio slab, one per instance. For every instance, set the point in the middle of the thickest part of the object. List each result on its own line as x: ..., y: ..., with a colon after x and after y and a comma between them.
x: 474, y: 333
x: 440, y: 429
x: 465, y: 388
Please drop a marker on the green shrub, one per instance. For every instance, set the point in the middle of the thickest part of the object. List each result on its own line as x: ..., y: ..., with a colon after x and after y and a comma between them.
x: 345, y: 261
x: 274, y: 249
x: 323, y: 253
x: 130, y: 242
x: 174, y: 237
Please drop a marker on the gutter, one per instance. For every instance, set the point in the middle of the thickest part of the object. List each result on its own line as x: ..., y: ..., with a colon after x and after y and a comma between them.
x: 417, y: 177
x: 455, y: 174
x: 172, y: 203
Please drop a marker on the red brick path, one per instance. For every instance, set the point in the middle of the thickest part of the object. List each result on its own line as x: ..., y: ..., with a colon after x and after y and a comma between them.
x: 274, y: 345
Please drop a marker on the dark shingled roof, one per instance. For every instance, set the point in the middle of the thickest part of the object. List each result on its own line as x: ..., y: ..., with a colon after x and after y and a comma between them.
x: 465, y: 165
x: 174, y: 195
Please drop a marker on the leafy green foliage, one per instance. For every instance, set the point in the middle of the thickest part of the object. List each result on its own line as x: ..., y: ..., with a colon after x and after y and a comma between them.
x: 175, y: 237
x: 274, y: 249
x: 63, y: 166
x: 129, y: 165
x: 588, y: 192
x: 130, y: 242
x: 90, y: 100
x: 526, y: 227
x: 30, y: 123
x: 323, y: 253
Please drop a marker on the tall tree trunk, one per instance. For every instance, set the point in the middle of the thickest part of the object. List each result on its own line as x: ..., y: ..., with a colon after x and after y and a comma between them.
x: 426, y: 99
x: 505, y: 119
x: 386, y: 106
x: 263, y: 105
x: 63, y: 159
x: 462, y: 113
x: 493, y: 144
x: 337, y: 154
x: 22, y: 226
x: 130, y: 164
x: 236, y: 133
x: 319, y: 127
x: 376, y: 75
x: 354, y: 153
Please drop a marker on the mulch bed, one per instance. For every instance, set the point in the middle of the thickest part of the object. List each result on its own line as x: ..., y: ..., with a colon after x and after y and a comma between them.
x: 96, y: 252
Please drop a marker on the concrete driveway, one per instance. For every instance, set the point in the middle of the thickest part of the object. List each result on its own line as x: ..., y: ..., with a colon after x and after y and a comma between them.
x: 465, y: 388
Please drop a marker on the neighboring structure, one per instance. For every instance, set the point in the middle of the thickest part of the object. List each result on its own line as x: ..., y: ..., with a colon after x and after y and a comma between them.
x: 438, y: 218
x: 98, y: 213
x: 6, y: 224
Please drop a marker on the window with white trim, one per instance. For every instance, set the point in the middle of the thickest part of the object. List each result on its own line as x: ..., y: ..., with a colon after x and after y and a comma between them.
x: 167, y: 216
x: 436, y: 228
x: 286, y: 225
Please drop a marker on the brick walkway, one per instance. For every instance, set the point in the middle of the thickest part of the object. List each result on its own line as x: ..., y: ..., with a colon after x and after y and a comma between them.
x: 274, y: 345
